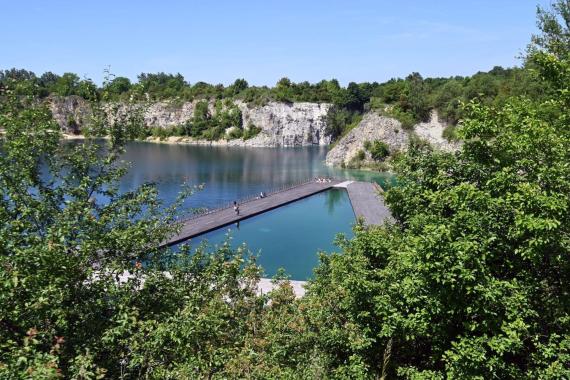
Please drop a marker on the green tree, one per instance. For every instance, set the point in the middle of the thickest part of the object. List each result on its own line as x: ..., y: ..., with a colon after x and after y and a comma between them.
x: 554, y: 24
x: 49, y: 79
x: 76, y: 300
x: 87, y: 90
x: 162, y: 85
x: 238, y: 86
x: 66, y: 85
x: 22, y: 82
x: 470, y: 282
x: 284, y: 90
x: 379, y: 150
x: 416, y: 98
x: 118, y: 86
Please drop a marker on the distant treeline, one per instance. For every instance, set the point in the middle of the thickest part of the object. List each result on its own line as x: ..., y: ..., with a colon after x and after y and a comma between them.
x: 409, y: 100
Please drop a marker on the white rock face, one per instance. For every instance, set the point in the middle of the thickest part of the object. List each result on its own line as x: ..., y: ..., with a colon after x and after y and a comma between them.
x: 389, y: 130
x: 372, y: 127
x: 70, y: 112
x: 282, y: 124
x: 165, y: 114
x: 288, y: 124
x: 432, y: 132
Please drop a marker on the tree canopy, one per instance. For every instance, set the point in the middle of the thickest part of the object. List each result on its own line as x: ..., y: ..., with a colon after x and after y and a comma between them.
x: 470, y: 280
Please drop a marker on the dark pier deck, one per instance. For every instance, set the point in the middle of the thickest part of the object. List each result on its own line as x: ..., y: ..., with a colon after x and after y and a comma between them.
x: 215, y: 219
x: 367, y: 202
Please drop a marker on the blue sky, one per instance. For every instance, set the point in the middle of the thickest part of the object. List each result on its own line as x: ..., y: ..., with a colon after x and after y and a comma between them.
x: 262, y: 41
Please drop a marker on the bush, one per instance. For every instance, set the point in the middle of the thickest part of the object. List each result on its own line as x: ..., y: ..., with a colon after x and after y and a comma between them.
x: 251, y: 131
x: 235, y: 133
x: 450, y: 133
x: 213, y: 133
x: 379, y: 150
x: 340, y: 121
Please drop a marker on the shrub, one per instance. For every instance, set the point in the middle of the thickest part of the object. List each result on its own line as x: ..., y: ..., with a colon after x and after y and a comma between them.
x: 251, y: 131
x: 407, y: 119
x: 235, y: 133
x: 213, y: 133
x: 379, y: 150
x: 450, y: 133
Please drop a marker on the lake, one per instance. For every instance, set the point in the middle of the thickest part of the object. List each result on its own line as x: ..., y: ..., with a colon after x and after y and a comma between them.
x: 288, y: 237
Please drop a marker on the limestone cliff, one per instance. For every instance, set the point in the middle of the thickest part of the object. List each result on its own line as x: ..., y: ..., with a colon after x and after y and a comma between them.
x: 282, y: 124
x: 70, y: 112
x: 388, y: 130
x: 432, y: 132
x: 288, y: 124
x: 372, y: 127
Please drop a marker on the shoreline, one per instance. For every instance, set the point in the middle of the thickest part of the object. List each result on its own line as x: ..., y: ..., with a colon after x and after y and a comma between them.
x: 184, y: 140
x: 181, y: 140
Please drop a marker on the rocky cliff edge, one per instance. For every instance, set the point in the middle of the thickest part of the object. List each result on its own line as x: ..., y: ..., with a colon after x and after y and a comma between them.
x: 282, y: 124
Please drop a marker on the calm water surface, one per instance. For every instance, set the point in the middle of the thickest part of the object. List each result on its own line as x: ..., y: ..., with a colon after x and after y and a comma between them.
x: 228, y: 173
x: 288, y: 237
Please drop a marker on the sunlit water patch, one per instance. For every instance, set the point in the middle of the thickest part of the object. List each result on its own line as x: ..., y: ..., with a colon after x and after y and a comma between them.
x: 290, y: 237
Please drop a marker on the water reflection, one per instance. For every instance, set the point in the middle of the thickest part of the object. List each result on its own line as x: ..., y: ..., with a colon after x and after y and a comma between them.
x: 228, y: 173
x: 333, y: 198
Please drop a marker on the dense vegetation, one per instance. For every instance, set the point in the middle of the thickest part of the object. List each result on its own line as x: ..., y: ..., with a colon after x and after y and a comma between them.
x: 409, y: 100
x: 470, y: 282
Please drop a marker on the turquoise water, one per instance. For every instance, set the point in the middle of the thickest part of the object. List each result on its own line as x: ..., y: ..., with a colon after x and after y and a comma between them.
x: 291, y: 236
x: 288, y: 237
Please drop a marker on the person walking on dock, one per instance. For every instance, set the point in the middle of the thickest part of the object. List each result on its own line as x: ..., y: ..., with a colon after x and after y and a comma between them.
x: 236, y: 208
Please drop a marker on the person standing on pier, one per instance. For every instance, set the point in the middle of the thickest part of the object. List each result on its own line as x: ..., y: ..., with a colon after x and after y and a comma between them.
x: 236, y: 208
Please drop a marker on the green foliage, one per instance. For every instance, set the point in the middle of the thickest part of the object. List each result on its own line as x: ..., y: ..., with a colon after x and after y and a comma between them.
x: 470, y: 282
x: 340, y: 121
x: 118, y: 86
x: 212, y: 127
x: 352, y: 98
x: 237, y: 87
x: 409, y: 100
x: 235, y: 133
x: 229, y: 117
x: 213, y: 133
x: 55, y: 239
x: 416, y: 97
x: 450, y: 133
x: 65, y: 310
x: 251, y: 131
x: 554, y: 24
x: 379, y: 150
x: 162, y: 85
x: 164, y: 133
x: 408, y: 121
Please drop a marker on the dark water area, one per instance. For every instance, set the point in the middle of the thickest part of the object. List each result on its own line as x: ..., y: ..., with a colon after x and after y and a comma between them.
x: 289, y: 237
x: 228, y: 173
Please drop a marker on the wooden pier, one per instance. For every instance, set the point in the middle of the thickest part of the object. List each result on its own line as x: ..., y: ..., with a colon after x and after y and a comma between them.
x: 215, y: 219
x: 367, y: 202
x: 365, y: 198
